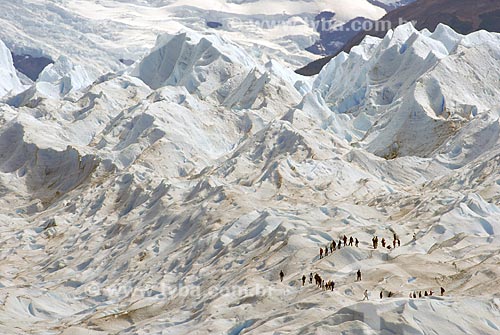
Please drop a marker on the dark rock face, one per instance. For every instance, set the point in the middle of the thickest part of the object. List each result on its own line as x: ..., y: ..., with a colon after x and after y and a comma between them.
x: 214, y: 24
x: 333, y: 38
x: 390, y: 7
x: 30, y: 66
x: 127, y: 62
x: 464, y: 16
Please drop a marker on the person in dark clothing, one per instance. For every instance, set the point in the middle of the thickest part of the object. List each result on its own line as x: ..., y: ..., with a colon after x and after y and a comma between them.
x: 326, y: 251
x: 399, y: 242
x: 345, y: 241
x: 383, y: 242
x: 356, y: 243
x: 311, y: 278
x: 333, y: 246
x: 390, y: 294
x: 320, y: 253
x: 282, y: 275
x: 426, y: 294
x: 358, y: 275
x: 351, y: 241
x: 339, y: 244
x: 317, y: 278
x: 303, y: 280
x: 442, y: 291
x: 381, y: 294
x: 420, y: 294
x: 394, y: 243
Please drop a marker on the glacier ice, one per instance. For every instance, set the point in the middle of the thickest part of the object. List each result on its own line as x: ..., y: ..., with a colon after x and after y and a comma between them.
x: 168, y: 196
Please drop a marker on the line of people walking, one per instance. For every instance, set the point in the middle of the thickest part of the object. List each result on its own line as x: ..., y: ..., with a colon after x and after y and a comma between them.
x: 334, y: 245
x: 330, y: 284
x: 415, y: 295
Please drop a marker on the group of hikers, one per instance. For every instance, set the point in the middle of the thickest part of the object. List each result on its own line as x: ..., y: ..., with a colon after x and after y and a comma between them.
x: 330, y: 284
x: 395, y: 241
x: 323, y: 252
x: 334, y: 245
x: 415, y: 295
x: 320, y: 282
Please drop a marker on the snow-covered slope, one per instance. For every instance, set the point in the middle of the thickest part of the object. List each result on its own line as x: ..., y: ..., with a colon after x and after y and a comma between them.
x: 165, y: 198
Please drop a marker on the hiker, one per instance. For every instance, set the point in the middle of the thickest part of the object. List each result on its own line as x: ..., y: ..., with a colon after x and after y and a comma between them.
x: 339, y: 244
x: 411, y: 295
x: 356, y: 243
x: 394, y: 244
x: 425, y: 293
x: 390, y: 294
x: 430, y: 292
x: 420, y: 294
x: 442, y: 291
x: 345, y: 241
x: 399, y: 242
x: 320, y: 253
x: 333, y: 246
x: 358, y: 277
x: 351, y: 241
x: 317, y: 277
x: 395, y: 237
x: 332, y: 285
x: 383, y: 242
x: 381, y: 294
x: 365, y: 295
x: 326, y: 251
x: 303, y: 280
x: 414, y: 295
x: 282, y: 275
x: 311, y: 278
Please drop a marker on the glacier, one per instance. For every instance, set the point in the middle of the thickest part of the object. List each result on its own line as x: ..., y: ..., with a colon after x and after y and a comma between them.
x: 166, y: 196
